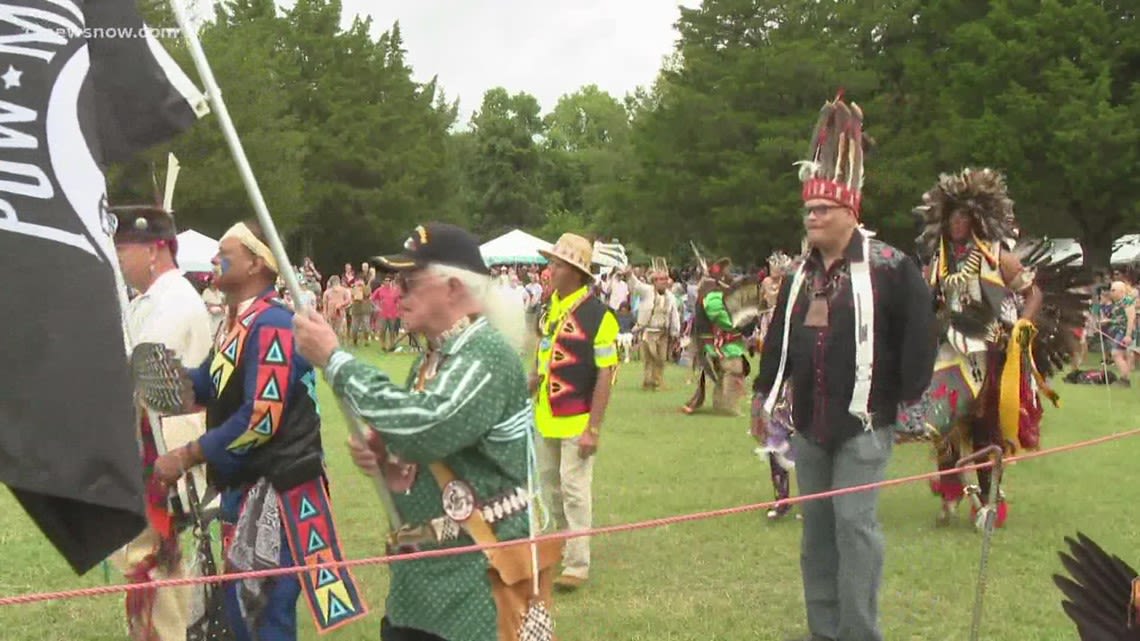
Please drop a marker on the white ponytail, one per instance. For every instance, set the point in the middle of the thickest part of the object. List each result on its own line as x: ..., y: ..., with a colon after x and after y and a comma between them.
x: 504, y: 314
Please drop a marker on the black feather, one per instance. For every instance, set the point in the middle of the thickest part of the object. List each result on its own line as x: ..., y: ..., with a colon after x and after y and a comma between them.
x: 1065, y: 299
x: 974, y: 320
x: 1098, y: 597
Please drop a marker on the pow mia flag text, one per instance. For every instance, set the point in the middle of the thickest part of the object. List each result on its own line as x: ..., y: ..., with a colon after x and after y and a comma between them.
x: 68, y: 106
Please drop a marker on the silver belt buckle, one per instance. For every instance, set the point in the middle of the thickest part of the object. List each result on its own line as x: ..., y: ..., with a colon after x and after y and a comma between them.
x: 458, y: 500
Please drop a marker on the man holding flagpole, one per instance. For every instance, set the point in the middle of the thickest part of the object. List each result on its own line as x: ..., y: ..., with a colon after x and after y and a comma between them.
x: 167, y: 311
x: 263, y: 450
x: 454, y: 445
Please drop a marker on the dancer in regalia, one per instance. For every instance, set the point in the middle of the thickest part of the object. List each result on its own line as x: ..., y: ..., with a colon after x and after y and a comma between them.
x: 719, y: 345
x: 1001, y: 333
x: 778, y: 264
x: 262, y: 449
x: 774, y: 435
x: 851, y: 332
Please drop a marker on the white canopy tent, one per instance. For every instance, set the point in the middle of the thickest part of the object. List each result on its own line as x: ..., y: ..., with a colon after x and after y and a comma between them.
x: 514, y: 247
x: 1064, y: 248
x: 196, y: 252
x: 1125, y: 250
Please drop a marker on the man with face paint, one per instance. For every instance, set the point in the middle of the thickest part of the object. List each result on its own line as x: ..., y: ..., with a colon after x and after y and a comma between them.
x: 169, y: 311
x: 984, y: 390
x: 851, y: 333
x: 262, y: 450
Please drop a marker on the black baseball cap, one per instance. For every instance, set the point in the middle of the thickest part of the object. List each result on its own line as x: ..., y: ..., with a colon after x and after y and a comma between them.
x: 143, y: 224
x: 440, y: 244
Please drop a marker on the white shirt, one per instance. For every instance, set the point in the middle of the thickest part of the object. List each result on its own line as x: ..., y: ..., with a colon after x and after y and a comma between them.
x: 534, y: 294
x: 172, y: 313
x: 516, y: 294
x: 619, y: 293
x: 656, y: 311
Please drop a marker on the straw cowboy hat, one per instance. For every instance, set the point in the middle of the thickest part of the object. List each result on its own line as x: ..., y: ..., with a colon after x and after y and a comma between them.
x: 574, y: 250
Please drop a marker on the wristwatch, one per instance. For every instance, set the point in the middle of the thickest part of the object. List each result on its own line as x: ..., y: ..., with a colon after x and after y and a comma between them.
x: 593, y: 431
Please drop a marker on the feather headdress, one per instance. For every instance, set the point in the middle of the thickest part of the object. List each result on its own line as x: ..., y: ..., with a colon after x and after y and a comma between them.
x: 979, y: 193
x: 778, y: 262
x: 835, y: 169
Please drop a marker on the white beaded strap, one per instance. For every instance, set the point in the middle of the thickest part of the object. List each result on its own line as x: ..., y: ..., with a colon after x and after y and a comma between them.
x: 864, y: 303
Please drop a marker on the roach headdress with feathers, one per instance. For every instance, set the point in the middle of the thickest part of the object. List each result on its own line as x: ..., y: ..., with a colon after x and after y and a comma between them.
x: 835, y: 169
x: 979, y: 193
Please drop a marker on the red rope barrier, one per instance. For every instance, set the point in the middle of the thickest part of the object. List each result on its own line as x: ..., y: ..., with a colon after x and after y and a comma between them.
x: 24, y: 599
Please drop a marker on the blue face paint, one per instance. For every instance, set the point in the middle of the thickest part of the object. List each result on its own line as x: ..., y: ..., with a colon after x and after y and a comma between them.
x: 223, y: 266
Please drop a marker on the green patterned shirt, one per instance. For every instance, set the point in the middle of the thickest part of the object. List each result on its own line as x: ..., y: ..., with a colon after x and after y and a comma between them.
x: 718, y: 314
x: 475, y: 415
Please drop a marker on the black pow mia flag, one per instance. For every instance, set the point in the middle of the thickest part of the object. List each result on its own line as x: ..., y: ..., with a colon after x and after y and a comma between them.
x: 82, y: 83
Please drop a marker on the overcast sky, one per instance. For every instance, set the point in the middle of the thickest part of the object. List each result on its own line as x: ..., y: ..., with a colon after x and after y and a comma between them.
x: 545, y: 47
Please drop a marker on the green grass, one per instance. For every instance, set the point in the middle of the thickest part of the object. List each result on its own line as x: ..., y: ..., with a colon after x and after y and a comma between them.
x: 726, y: 579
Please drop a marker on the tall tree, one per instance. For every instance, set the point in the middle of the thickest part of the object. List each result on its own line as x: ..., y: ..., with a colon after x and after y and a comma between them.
x: 588, y: 156
x: 242, y: 43
x: 506, y: 167
x: 1049, y: 92
x: 716, y: 151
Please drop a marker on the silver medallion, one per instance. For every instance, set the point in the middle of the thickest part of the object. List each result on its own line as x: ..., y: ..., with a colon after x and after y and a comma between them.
x: 458, y: 501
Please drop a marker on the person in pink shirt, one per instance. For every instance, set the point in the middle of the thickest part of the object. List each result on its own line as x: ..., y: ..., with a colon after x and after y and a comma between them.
x: 387, y: 298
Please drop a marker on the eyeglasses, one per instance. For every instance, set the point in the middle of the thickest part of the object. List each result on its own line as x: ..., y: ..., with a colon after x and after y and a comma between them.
x: 819, y: 210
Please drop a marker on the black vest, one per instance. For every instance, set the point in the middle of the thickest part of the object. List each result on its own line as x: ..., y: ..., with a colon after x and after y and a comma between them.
x: 572, y: 373
x: 293, y: 456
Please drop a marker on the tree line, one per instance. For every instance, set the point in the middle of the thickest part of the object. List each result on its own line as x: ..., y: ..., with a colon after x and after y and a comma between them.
x: 351, y: 151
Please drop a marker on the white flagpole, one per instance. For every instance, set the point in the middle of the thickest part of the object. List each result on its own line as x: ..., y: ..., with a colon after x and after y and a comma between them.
x: 355, y: 425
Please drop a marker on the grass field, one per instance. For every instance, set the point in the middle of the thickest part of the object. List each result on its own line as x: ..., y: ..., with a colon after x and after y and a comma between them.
x: 730, y: 579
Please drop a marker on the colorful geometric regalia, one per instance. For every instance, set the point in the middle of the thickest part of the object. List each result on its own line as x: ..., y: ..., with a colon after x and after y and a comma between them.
x: 719, y: 343
x: 991, y: 362
x: 263, y: 451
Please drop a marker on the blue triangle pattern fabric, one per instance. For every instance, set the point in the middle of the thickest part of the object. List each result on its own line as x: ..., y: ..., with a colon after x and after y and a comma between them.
x: 265, y: 425
x: 230, y: 351
x: 337, y: 610
x: 307, y: 510
x: 316, y: 543
x: 275, y: 355
x: 271, y: 392
x: 325, y: 577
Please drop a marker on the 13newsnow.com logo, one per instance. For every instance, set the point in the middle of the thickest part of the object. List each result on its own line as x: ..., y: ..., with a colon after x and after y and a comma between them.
x: 96, y: 33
